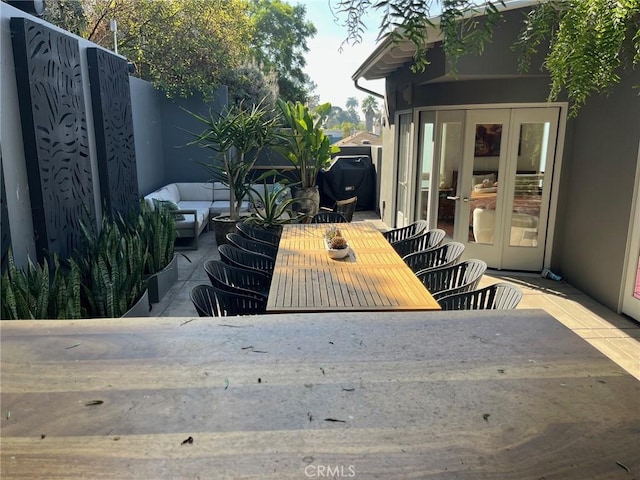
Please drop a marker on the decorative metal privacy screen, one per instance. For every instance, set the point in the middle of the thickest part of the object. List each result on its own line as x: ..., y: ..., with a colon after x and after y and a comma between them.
x: 115, y: 148
x: 54, y: 130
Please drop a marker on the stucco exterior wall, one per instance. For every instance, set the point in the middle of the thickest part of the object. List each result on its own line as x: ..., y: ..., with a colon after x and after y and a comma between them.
x: 146, y: 111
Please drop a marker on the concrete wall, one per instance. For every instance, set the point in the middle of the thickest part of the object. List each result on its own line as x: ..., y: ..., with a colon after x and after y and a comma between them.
x: 180, y: 159
x: 146, y: 110
x: 161, y: 127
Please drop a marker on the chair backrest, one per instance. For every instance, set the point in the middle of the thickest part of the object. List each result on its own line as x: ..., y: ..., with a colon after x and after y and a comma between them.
x: 346, y: 207
x: 499, y: 296
x: 251, y: 245
x: 241, y: 258
x: 447, y: 254
x: 402, y: 233
x: 259, y: 234
x: 328, y: 217
x: 451, y: 279
x: 423, y: 241
x: 235, y: 279
x: 213, y: 302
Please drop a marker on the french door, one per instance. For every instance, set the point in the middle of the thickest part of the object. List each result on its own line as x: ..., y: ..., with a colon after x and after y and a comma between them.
x: 490, y: 181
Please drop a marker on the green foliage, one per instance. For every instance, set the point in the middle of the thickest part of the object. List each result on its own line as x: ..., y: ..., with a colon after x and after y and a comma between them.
x: 67, y: 14
x: 157, y: 231
x: 306, y: 146
x: 111, y: 265
x: 272, y: 205
x: 35, y: 295
x: 237, y: 135
x: 279, y: 45
x: 338, y: 116
x: 249, y: 86
x: 371, y: 110
x: 588, y: 41
x: 182, y: 46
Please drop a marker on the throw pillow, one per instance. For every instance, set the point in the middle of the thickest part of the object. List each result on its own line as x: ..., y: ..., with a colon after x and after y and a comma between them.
x: 168, y: 205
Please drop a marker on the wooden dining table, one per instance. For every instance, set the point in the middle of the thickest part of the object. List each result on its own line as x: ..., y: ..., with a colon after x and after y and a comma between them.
x: 371, y: 277
x: 364, y: 395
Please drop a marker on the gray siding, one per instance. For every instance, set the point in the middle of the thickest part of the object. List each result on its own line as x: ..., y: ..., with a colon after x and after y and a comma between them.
x: 597, y: 194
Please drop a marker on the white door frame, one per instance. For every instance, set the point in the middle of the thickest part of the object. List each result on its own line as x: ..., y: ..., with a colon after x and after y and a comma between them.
x: 628, y: 304
x: 410, y: 169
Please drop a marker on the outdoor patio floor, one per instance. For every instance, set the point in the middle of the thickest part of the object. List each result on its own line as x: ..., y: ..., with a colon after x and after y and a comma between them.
x: 614, y: 335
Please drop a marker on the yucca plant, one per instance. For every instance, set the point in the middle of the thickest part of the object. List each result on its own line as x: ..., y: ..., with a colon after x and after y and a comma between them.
x: 237, y: 135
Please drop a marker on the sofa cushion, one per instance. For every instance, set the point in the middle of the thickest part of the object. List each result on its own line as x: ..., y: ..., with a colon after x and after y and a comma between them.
x: 169, y: 205
x: 195, y: 192
x: 160, y: 194
x: 187, y: 223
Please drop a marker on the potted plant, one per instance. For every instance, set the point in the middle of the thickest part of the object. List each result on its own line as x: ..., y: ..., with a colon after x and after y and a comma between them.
x: 111, y: 265
x: 308, y: 148
x: 237, y: 135
x: 273, y: 204
x: 157, y: 230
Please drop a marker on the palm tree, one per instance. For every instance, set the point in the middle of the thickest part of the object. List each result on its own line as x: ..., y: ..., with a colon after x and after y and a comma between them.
x: 370, y: 110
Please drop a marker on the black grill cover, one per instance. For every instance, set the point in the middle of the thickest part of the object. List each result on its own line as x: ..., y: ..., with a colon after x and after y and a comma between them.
x: 348, y: 176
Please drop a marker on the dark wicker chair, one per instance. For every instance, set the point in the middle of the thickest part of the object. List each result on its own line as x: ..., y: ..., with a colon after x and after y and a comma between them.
x: 237, y: 257
x: 328, y: 217
x: 236, y: 279
x: 397, y: 234
x: 458, y: 278
x: 260, y: 234
x: 499, y: 296
x: 447, y: 254
x: 213, y: 302
x: 346, y: 208
x: 424, y: 241
x: 250, y: 245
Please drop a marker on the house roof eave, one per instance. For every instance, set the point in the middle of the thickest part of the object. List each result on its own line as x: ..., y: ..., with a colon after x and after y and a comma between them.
x: 391, y: 55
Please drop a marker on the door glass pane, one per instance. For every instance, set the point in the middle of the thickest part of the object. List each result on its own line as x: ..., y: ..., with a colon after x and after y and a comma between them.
x: 403, y: 164
x: 485, y: 182
x: 427, y: 168
x: 451, y: 154
x: 529, y: 184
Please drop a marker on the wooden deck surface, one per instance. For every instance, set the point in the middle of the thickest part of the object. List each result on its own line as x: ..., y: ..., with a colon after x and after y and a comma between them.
x: 393, y: 395
x: 371, y: 277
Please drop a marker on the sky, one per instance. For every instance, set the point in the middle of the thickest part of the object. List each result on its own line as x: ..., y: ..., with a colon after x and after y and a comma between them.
x: 330, y: 69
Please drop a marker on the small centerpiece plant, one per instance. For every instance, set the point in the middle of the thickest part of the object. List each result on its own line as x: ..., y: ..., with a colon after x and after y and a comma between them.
x: 334, y: 238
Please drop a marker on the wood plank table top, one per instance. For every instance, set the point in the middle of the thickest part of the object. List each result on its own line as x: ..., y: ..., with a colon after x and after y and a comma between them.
x: 387, y: 395
x: 371, y: 277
